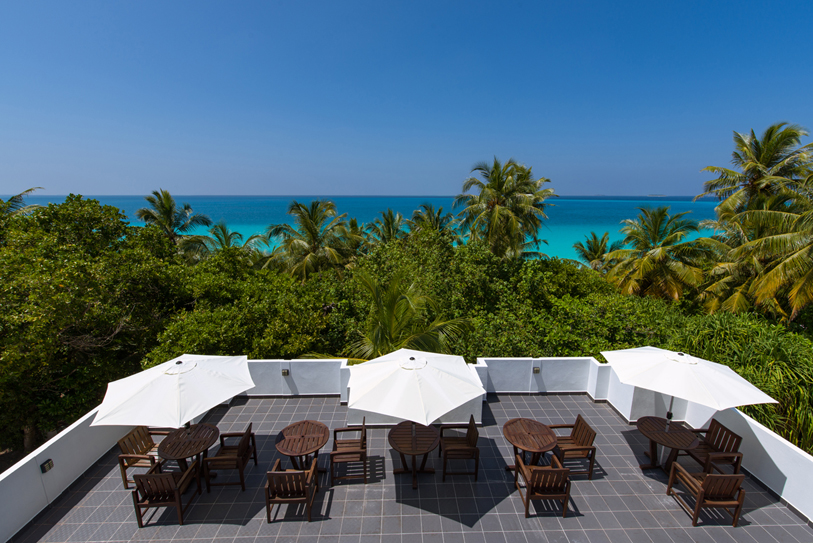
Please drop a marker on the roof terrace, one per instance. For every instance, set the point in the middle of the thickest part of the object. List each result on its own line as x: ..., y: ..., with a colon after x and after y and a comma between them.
x: 621, y: 503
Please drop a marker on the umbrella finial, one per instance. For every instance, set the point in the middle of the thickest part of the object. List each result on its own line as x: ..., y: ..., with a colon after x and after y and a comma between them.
x: 179, y: 362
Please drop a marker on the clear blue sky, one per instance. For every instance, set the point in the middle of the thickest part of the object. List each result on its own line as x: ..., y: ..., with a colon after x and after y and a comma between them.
x: 329, y: 98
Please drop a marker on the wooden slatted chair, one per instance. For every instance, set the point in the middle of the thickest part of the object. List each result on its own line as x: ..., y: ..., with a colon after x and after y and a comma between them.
x: 291, y: 486
x: 710, y: 490
x: 719, y: 445
x: 579, y: 444
x: 347, y: 451
x: 138, y: 450
x: 157, y: 489
x: 232, y: 457
x: 543, y: 483
x: 460, y: 447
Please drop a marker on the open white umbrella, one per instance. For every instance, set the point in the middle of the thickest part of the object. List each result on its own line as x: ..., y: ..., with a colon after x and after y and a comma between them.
x: 175, y: 392
x: 413, y: 385
x: 681, y: 375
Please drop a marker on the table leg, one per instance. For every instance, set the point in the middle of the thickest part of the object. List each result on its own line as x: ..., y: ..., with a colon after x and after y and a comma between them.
x: 414, y: 472
x: 318, y: 469
x: 653, y: 456
x: 512, y: 467
x: 295, y: 463
x: 405, y: 468
x: 670, y: 460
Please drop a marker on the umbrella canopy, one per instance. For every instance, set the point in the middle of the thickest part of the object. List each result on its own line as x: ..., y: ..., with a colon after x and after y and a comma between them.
x: 173, y: 393
x: 681, y: 375
x: 413, y: 385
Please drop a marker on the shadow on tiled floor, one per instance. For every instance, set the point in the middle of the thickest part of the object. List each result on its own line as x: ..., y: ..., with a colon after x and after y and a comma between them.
x: 620, y: 504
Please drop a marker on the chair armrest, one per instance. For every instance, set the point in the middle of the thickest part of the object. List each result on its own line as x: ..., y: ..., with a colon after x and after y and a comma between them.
x: 561, y: 425
x: 348, y: 451
x: 452, y: 427
x: 224, y: 458
x: 158, y: 432
x: 149, y: 457
x: 555, y: 459
x: 277, y: 465
x: 700, y: 430
x: 578, y: 448
x: 191, y: 471
x: 225, y: 435
x: 714, y: 457
x: 312, y: 473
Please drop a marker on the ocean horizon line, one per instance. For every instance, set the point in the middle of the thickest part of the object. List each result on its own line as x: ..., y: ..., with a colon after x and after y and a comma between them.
x: 568, y: 196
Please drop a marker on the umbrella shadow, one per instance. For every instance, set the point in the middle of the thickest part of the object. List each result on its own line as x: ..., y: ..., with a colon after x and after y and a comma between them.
x: 459, y: 499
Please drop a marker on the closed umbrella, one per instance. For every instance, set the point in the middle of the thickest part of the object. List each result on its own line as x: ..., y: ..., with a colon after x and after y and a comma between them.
x: 175, y: 392
x: 682, y: 375
x: 413, y: 385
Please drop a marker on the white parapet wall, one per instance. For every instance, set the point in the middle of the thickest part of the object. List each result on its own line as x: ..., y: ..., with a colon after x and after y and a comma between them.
x: 25, y: 490
x: 305, y: 377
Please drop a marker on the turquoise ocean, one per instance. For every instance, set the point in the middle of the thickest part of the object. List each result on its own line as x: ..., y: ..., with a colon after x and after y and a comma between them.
x: 570, y: 218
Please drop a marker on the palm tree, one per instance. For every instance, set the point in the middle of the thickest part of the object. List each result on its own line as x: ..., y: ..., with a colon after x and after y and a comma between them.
x: 390, y: 227
x: 766, y: 166
x: 426, y: 217
x: 661, y: 262
x: 785, y: 245
x: 314, y: 243
x: 15, y: 205
x: 220, y: 238
x: 595, y: 250
x: 175, y: 222
x: 507, y: 209
x: 400, y: 320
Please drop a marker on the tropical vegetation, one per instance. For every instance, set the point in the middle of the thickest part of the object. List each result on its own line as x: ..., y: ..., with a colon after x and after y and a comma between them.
x: 87, y: 298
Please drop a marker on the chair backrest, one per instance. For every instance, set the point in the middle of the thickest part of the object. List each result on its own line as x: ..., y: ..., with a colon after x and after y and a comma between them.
x: 545, y: 479
x: 244, y: 447
x: 721, y: 487
x: 156, y: 486
x: 472, y: 434
x: 721, y: 438
x: 582, y: 434
x: 138, y: 441
x: 287, y: 484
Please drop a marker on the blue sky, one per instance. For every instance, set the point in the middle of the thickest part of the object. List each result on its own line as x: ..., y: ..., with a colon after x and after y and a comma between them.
x: 329, y: 98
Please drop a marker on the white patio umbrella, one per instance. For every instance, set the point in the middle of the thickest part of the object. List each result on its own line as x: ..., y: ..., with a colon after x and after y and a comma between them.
x: 413, y: 385
x: 682, y: 375
x: 175, y: 392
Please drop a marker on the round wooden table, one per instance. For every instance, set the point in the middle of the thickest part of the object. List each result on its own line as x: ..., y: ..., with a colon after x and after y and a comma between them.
x: 301, y: 439
x: 672, y: 436
x: 409, y: 438
x: 185, y: 443
x: 530, y: 436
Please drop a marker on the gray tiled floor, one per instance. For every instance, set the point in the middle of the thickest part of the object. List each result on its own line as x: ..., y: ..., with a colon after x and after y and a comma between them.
x: 621, y: 503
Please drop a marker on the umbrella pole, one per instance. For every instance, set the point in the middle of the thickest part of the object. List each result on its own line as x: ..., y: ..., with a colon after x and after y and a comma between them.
x: 669, y: 413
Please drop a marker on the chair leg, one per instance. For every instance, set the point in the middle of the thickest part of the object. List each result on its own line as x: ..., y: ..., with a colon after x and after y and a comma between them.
x: 123, y: 467
x: 137, y: 510
x: 476, y: 464
x: 179, y: 506
x: 254, y: 444
x: 242, y: 480
x: 331, y: 471
x: 445, y: 459
x: 592, y: 463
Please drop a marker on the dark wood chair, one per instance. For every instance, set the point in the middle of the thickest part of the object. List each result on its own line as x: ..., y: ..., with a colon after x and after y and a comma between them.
x: 232, y: 457
x: 710, y: 490
x: 291, y: 486
x: 460, y: 447
x: 543, y: 483
x: 157, y: 489
x: 719, y: 445
x: 347, y: 451
x: 579, y: 444
x: 138, y: 450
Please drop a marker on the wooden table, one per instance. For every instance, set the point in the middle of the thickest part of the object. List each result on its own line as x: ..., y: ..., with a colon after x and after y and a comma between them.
x: 409, y: 438
x: 185, y: 443
x: 530, y: 436
x: 673, y: 436
x: 301, y: 439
